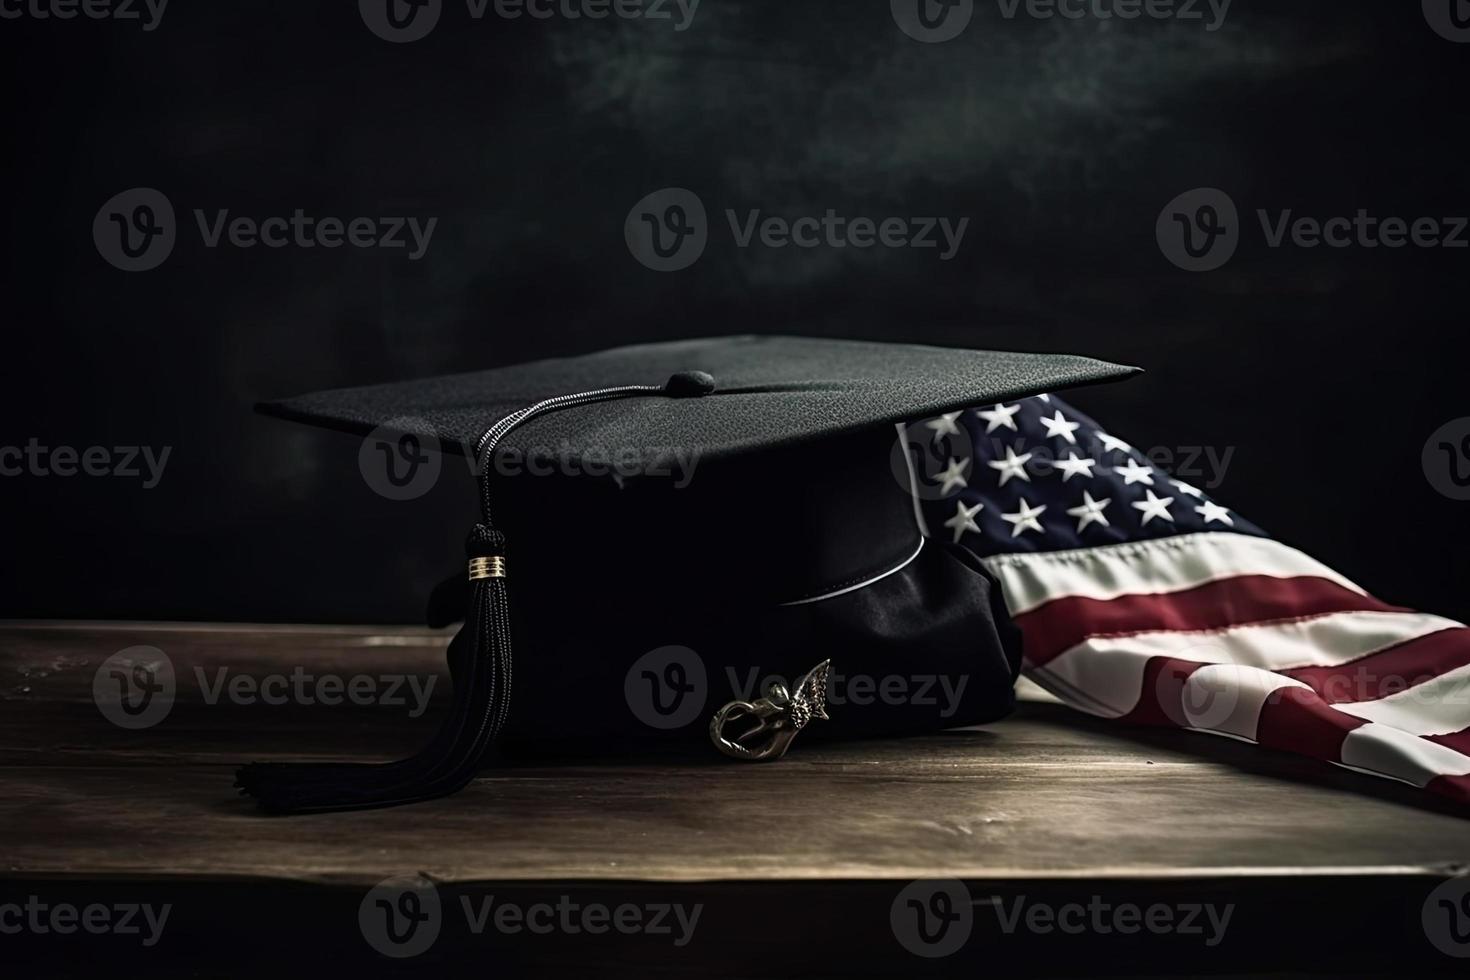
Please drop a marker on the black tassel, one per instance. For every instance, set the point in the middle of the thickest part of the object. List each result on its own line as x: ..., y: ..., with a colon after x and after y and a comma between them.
x: 481, y: 700
x: 480, y: 707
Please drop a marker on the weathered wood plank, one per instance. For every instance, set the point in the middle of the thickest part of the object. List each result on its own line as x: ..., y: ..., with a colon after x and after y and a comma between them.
x: 839, y: 814
x: 1046, y: 794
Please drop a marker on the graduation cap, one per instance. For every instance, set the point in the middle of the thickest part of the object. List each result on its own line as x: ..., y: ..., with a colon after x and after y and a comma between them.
x: 667, y: 525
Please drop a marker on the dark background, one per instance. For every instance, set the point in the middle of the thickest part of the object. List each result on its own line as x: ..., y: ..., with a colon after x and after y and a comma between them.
x: 1326, y: 369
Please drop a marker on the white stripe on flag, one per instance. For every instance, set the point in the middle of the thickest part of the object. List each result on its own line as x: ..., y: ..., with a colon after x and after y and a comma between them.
x: 1436, y: 707
x: 1386, y: 751
x: 1160, y: 565
x: 1109, y: 669
x: 1226, y: 699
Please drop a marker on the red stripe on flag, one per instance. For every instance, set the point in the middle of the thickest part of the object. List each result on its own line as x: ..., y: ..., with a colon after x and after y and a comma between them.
x: 1160, y: 702
x: 1297, y: 720
x: 1059, y: 625
x: 1459, y: 741
x: 1390, y: 670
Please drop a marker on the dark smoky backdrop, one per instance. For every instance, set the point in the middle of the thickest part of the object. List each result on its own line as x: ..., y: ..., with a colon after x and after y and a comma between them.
x: 1317, y: 374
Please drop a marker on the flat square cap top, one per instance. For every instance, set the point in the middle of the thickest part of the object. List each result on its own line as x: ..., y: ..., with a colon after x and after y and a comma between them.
x: 768, y: 392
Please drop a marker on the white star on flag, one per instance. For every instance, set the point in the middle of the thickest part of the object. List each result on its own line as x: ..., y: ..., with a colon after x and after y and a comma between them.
x: 964, y: 520
x: 1154, y: 507
x: 998, y: 417
x: 1024, y: 519
x: 1135, y: 472
x: 953, y: 476
x: 1057, y: 426
x: 1073, y: 466
x: 1089, y: 512
x: 1114, y: 444
x: 1211, y: 511
x: 945, y: 425
x: 1012, y: 465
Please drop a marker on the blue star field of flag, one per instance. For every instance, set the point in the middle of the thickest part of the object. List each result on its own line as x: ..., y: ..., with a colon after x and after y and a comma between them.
x: 1038, y: 475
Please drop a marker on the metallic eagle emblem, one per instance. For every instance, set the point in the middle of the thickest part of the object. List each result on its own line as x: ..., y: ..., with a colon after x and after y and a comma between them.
x: 770, y: 723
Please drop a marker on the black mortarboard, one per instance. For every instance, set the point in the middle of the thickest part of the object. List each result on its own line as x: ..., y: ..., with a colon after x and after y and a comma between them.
x: 679, y: 522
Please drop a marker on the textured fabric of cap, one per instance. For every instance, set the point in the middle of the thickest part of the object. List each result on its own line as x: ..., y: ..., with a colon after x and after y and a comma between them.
x: 769, y: 392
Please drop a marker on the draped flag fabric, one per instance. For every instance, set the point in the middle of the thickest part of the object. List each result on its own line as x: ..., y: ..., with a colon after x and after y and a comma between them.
x: 1143, y: 600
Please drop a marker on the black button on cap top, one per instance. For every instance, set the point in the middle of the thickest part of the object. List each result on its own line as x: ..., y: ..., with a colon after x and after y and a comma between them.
x: 689, y: 384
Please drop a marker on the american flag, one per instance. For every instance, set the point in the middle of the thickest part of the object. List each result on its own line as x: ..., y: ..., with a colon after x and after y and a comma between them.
x: 1142, y: 599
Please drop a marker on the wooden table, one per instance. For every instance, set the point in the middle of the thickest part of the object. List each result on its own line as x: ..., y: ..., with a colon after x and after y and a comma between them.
x: 799, y: 867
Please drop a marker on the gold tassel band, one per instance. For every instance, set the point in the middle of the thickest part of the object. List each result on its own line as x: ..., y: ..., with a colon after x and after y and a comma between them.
x: 492, y: 566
